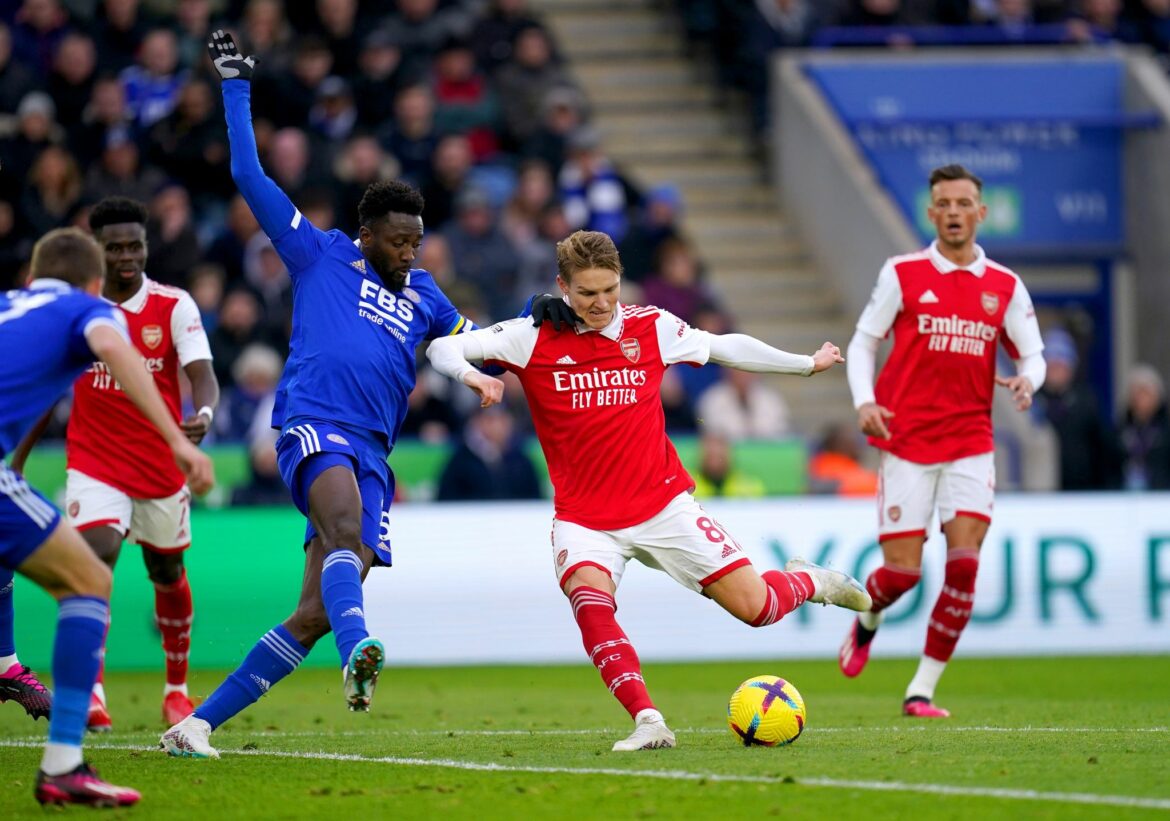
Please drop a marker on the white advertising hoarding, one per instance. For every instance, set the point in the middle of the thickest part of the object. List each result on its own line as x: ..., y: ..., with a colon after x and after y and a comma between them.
x: 1060, y: 574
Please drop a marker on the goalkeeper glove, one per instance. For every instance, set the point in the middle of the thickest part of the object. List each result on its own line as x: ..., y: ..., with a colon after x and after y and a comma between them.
x: 553, y: 309
x: 228, y: 61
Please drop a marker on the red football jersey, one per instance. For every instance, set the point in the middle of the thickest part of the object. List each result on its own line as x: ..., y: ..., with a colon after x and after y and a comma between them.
x: 108, y: 437
x: 940, y: 376
x: 597, y: 410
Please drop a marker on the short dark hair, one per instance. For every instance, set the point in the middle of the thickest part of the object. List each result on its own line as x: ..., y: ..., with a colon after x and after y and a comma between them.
x: 67, y: 254
x: 390, y: 197
x: 115, y: 211
x: 955, y: 172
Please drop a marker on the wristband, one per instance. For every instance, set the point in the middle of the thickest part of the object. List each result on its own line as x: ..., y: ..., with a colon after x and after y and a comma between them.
x: 207, y: 411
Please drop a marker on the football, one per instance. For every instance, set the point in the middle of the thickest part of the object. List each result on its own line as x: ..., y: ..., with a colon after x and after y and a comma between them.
x: 766, y: 711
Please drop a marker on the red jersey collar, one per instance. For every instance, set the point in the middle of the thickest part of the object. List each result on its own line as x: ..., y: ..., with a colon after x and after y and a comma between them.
x: 611, y: 331
x: 136, y: 303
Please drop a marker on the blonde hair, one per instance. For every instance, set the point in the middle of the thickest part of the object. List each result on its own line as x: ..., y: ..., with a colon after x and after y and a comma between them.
x: 67, y: 254
x: 583, y: 250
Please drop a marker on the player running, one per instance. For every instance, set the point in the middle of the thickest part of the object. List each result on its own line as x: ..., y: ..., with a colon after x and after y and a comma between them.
x: 930, y: 414
x: 122, y: 482
x: 359, y: 314
x: 18, y: 682
x: 620, y: 490
x: 50, y: 332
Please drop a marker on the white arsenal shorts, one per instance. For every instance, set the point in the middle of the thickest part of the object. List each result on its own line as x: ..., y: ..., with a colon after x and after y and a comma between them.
x: 909, y: 492
x: 682, y: 539
x: 159, y: 524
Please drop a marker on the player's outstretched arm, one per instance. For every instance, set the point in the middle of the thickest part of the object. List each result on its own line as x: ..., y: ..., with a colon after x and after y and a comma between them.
x: 125, y: 364
x: 273, y: 209
x: 449, y: 356
x: 750, y: 354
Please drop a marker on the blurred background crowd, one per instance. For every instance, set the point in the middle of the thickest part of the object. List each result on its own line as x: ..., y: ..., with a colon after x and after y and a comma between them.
x: 470, y: 101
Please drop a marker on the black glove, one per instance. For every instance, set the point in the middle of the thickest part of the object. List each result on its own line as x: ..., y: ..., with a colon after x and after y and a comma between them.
x: 228, y: 61
x: 553, y: 309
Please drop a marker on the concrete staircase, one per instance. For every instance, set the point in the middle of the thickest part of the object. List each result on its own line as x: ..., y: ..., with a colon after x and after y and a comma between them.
x: 664, y: 121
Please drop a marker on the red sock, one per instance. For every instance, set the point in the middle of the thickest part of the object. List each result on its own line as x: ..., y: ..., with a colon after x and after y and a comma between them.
x: 887, y: 584
x: 609, y: 649
x: 172, y: 609
x: 786, y: 592
x: 952, y: 611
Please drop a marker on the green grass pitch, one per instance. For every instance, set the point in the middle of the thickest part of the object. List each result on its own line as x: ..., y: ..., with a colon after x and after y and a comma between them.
x: 1030, y: 738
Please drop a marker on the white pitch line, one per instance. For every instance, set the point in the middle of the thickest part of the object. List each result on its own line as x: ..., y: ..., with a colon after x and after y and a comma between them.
x: 683, y: 775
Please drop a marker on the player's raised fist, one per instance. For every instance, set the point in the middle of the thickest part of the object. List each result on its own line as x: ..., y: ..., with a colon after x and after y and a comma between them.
x: 228, y: 61
x: 825, y: 358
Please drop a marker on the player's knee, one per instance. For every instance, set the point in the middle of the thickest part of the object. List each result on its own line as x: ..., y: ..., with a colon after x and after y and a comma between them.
x: 163, y: 568
x: 341, y: 533
x: 95, y: 579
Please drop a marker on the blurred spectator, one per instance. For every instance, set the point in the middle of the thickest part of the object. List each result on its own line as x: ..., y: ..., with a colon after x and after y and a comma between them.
x: 1100, y: 21
x: 193, y: 18
x: 339, y: 25
x: 717, y: 475
x: 239, y: 326
x: 266, y: 275
x: 72, y: 78
x: 535, y: 189
x: 256, y: 373
x: 359, y: 164
x: 534, y: 223
x: 874, y: 13
x: 675, y: 284
x: 16, y: 78
x: 227, y: 249
x: 596, y: 195
x: 771, y: 25
x: 1145, y: 432
x: 740, y: 406
x: 464, y: 101
x: 190, y: 144
x: 657, y: 223
x: 1153, y: 20
x: 119, y: 29
x: 562, y: 113
x: 290, y: 162
x: 495, y: 33
x: 435, y: 258
x: 836, y: 466
x: 489, y: 463
x: 1089, y: 452
x: 266, y: 33
x: 105, y: 116
x: 420, y: 27
x: 265, y: 485
x: 411, y: 136
x: 153, y: 84
x: 676, y: 405
x: 35, y: 131
x: 170, y: 233
x: 286, y: 97
x: 40, y: 27
x: 121, y: 173
x: 14, y: 249
x: 334, y: 115
x: 450, y: 169
x: 526, y: 81
x: 482, y: 254
x: 1027, y: 451
x: 379, y: 79
x: 205, y: 283
x: 53, y: 191
x: 430, y: 416
x: 696, y: 381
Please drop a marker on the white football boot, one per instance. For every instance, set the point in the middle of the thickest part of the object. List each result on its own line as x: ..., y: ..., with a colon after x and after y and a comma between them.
x: 833, y: 586
x: 190, y: 738
x: 650, y: 733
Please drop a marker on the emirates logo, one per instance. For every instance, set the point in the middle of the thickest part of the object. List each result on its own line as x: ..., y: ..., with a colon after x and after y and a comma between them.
x: 632, y: 349
x: 152, y: 336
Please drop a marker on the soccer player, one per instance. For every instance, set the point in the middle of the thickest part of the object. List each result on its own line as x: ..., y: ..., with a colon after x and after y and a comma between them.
x: 50, y: 332
x: 620, y: 491
x: 359, y: 313
x: 18, y: 682
x: 948, y: 307
x: 121, y: 480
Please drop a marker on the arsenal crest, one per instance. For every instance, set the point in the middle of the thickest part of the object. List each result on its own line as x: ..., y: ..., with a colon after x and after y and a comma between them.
x: 990, y: 302
x: 74, y: 509
x: 895, y: 513
x: 632, y: 349
x: 152, y: 335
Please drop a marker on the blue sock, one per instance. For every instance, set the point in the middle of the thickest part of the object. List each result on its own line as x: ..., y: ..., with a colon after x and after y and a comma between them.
x: 81, y: 630
x: 7, y: 616
x: 341, y: 592
x: 275, y: 656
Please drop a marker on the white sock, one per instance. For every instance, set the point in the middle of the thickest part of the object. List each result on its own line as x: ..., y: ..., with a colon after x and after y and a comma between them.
x: 649, y: 714
x: 60, y: 758
x: 6, y: 662
x: 99, y: 690
x: 870, y: 620
x: 926, y: 679
x: 174, y: 688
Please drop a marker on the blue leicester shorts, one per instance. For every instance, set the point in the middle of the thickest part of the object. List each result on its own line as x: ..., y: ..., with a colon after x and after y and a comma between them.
x: 27, y: 519
x: 307, y: 448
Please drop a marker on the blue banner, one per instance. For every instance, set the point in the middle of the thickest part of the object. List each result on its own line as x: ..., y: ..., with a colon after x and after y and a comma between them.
x: 1046, y: 138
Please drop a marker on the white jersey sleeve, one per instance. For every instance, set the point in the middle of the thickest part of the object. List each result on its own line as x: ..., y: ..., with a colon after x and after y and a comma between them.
x: 884, y: 303
x: 1019, y: 322
x: 511, y: 342
x: 679, y: 342
x: 187, y: 331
